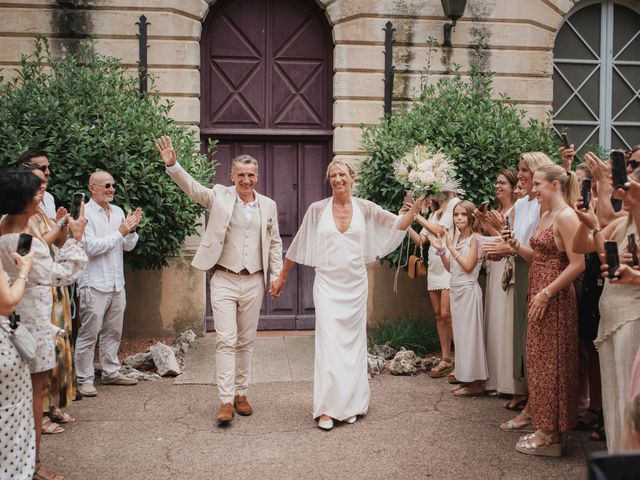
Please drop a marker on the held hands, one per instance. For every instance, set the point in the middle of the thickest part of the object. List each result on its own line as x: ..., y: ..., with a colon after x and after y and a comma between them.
x: 165, y: 148
x: 277, y: 286
x: 76, y: 227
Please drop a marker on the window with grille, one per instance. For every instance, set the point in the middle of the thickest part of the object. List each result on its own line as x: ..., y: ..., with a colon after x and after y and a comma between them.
x: 596, y: 75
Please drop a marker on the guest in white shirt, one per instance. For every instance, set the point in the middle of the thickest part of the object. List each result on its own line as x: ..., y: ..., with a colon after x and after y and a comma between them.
x: 102, y: 293
x: 40, y: 161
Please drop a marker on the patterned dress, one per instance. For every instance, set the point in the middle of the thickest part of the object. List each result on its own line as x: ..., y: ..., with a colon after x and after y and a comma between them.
x: 17, y: 435
x: 552, y: 342
x: 61, y: 391
x: 36, y: 306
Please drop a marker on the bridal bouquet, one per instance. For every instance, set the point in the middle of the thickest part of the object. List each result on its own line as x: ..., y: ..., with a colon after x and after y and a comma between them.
x: 426, y: 173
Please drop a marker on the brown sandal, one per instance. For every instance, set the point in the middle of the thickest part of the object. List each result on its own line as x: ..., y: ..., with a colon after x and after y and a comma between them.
x: 43, y: 473
x: 442, y: 369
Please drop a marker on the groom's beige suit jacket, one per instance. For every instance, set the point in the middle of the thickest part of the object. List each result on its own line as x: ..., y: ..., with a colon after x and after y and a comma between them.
x: 220, y: 201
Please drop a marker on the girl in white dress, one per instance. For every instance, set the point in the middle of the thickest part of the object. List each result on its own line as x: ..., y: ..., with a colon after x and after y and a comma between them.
x: 466, y: 302
x: 339, y: 236
x: 440, y: 222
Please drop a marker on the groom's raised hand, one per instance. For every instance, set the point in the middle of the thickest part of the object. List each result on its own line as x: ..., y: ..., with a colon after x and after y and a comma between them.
x: 165, y: 148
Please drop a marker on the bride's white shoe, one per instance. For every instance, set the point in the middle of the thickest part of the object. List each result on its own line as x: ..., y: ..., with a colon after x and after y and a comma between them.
x: 351, y: 419
x: 325, y: 424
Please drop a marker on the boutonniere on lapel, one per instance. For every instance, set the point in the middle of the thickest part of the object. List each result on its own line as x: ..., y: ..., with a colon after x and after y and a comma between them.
x: 269, y: 225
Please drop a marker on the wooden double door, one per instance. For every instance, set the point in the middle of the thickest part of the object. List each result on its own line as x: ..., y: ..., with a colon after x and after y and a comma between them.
x: 266, y: 73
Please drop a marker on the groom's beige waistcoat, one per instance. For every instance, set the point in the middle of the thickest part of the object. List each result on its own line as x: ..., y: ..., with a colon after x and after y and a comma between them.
x: 242, y: 244
x: 220, y: 200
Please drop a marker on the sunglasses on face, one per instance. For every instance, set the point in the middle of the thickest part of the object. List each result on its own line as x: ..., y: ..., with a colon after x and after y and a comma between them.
x: 42, y: 168
x: 633, y: 164
x: 106, y: 186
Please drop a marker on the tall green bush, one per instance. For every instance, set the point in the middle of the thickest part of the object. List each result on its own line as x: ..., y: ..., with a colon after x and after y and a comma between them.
x: 459, y: 116
x: 86, y: 113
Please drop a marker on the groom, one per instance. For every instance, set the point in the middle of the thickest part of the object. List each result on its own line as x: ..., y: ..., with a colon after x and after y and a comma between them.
x: 240, y: 242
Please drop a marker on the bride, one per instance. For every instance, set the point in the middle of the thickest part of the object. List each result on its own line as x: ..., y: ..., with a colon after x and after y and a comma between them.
x: 339, y: 236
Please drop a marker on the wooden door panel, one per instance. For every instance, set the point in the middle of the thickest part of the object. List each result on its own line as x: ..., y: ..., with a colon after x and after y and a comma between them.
x: 266, y: 77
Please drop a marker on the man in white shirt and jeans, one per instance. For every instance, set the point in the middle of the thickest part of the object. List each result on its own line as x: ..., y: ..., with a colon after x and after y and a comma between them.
x: 102, y: 294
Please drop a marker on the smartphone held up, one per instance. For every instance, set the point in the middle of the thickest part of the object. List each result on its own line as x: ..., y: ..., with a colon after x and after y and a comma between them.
x: 618, y: 169
x: 24, y: 244
x: 586, y: 193
x: 612, y: 258
x: 76, y: 204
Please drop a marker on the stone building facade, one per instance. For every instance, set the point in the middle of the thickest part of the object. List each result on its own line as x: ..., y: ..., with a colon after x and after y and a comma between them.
x: 217, y: 60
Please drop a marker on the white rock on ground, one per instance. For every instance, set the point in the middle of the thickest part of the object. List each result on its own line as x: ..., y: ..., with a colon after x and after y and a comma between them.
x: 403, y: 363
x: 375, y: 364
x: 165, y: 359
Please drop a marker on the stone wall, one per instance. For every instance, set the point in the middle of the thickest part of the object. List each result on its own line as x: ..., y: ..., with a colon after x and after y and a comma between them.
x: 519, y: 36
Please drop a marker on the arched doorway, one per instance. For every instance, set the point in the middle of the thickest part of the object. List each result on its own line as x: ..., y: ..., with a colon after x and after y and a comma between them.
x: 596, y: 80
x: 266, y: 90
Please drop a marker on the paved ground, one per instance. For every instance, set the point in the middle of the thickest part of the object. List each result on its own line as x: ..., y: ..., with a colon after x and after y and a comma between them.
x: 415, y: 429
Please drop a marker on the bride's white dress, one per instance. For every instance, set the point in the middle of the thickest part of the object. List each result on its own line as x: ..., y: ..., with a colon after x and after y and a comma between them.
x: 341, y: 384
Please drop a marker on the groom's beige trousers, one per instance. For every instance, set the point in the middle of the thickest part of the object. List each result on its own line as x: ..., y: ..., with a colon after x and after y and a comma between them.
x: 235, y: 301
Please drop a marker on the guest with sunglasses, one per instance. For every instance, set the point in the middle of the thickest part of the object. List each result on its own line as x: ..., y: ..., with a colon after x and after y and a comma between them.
x: 633, y: 158
x: 102, y: 296
x: 38, y: 159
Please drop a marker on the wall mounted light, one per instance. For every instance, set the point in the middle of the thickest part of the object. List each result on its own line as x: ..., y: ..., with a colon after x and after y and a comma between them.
x: 453, y: 10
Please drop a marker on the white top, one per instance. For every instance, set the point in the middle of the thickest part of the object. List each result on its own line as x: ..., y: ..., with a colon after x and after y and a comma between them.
x: 527, y: 218
x: 439, y: 278
x: 247, y: 208
x: 48, y: 204
x: 105, y: 244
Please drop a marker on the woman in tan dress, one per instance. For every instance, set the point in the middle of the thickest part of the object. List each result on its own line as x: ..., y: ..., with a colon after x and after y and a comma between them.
x: 552, y: 333
x: 619, y: 328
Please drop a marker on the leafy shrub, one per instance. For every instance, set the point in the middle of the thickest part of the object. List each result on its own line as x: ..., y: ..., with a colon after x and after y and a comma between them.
x: 87, y: 114
x: 410, y: 333
x: 459, y: 116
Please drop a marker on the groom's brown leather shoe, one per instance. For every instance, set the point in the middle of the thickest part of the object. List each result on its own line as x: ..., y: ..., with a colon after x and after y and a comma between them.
x: 225, y: 414
x: 242, y: 405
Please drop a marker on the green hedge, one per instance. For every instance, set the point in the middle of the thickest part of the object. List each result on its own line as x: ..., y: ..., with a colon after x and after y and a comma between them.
x: 459, y: 116
x: 87, y: 114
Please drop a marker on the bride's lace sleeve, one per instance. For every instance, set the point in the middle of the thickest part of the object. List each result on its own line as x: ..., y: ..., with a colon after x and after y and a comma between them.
x: 382, y: 233
x: 304, y: 248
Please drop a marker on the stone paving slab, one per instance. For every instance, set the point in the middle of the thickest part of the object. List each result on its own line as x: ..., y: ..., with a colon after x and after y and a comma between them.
x: 275, y: 359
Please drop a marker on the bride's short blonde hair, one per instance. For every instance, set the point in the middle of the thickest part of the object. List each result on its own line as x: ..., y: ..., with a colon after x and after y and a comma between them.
x: 344, y: 166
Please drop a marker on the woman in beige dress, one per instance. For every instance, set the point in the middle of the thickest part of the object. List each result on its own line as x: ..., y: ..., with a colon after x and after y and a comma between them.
x: 619, y: 328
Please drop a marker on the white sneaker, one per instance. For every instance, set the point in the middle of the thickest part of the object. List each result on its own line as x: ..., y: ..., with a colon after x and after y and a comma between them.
x: 119, y: 379
x: 87, y: 390
x: 325, y: 424
x: 351, y: 420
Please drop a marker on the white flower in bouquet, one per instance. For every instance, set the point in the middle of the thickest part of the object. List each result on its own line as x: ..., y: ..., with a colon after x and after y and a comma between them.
x: 426, y: 173
x: 402, y: 171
